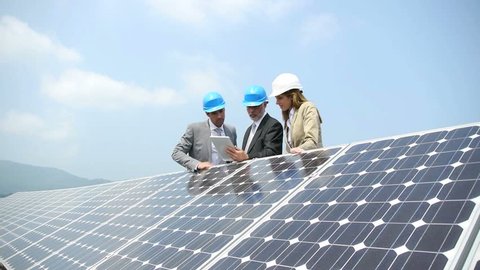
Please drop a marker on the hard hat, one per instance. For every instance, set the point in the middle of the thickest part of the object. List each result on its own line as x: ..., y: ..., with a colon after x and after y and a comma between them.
x: 254, y: 95
x: 285, y: 82
x: 213, y: 101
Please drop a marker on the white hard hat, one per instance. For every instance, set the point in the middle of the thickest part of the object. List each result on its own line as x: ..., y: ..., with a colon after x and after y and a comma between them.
x: 285, y: 82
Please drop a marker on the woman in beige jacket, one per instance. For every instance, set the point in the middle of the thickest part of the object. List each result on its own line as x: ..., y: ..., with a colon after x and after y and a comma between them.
x: 302, y: 119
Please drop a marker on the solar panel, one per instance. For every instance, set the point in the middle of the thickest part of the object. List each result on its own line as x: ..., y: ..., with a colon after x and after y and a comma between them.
x: 63, y: 227
x: 403, y: 203
x: 406, y: 202
x: 228, y: 205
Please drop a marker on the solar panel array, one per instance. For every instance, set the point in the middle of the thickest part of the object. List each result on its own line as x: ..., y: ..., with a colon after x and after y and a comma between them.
x: 406, y: 202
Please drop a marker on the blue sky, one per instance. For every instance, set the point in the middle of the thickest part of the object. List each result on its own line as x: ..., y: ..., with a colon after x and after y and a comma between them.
x: 105, y: 89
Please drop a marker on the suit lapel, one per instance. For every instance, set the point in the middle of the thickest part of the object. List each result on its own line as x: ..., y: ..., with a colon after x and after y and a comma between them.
x: 226, y: 130
x: 209, y: 142
x: 295, y: 114
x: 245, y: 138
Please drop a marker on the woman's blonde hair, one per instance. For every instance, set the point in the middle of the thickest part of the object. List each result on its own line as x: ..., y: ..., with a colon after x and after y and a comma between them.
x: 297, y: 100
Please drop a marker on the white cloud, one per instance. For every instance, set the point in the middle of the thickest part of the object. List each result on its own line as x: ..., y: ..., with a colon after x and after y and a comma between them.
x: 319, y: 28
x: 79, y: 88
x: 200, y: 81
x: 200, y: 12
x: 213, y: 74
x: 31, y: 125
x: 19, y: 41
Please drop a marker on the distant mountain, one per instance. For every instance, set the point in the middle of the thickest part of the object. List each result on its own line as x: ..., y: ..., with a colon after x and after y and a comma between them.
x: 15, y: 177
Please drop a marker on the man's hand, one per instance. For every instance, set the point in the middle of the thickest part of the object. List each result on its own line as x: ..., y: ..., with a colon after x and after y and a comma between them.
x: 204, y: 166
x: 236, y: 154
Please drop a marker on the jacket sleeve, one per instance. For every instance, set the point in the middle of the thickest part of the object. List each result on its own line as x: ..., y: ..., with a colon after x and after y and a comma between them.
x: 181, y: 151
x: 311, y: 128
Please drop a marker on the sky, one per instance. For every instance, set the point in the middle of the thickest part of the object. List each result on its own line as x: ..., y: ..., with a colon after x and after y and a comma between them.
x: 105, y: 89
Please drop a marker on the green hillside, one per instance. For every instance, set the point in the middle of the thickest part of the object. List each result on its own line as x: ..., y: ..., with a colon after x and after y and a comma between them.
x: 16, y: 177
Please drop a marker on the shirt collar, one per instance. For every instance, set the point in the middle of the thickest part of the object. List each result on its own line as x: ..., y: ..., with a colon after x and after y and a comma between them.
x: 291, y: 113
x: 213, y: 127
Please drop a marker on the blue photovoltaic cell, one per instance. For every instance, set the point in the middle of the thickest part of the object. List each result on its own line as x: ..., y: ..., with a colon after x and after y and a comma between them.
x: 228, y: 205
x: 24, y: 217
x: 408, y: 202
x: 403, y: 203
x: 74, y: 226
x: 109, y: 224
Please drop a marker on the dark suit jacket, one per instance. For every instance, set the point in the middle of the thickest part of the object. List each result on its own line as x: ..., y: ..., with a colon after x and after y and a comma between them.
x: 195, y: 145
x: 267, y: 140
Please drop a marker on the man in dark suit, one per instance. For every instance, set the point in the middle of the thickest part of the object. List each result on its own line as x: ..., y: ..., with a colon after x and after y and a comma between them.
x: 195, y: 150
x: 264, y: 137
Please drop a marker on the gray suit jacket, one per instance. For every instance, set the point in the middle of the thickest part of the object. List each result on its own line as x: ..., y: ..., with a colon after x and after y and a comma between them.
x: 195, y: 145
x: 267, y: 140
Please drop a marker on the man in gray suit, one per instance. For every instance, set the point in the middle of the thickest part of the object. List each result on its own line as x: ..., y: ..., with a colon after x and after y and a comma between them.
x: 264, y: 137
x: 195, y: 151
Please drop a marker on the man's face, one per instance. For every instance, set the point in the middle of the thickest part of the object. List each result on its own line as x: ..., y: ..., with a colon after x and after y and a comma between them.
x: 217, y: 117
x: 256, y: 112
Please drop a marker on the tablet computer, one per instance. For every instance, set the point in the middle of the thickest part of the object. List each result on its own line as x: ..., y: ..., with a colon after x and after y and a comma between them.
x: 221, y: 143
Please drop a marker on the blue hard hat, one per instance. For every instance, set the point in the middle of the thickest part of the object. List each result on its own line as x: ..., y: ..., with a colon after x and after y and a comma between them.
x: 213, y: 101
x: 254, y: 95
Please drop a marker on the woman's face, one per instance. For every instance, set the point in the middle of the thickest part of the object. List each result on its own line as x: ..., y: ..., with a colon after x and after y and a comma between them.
x: 284, y: 102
